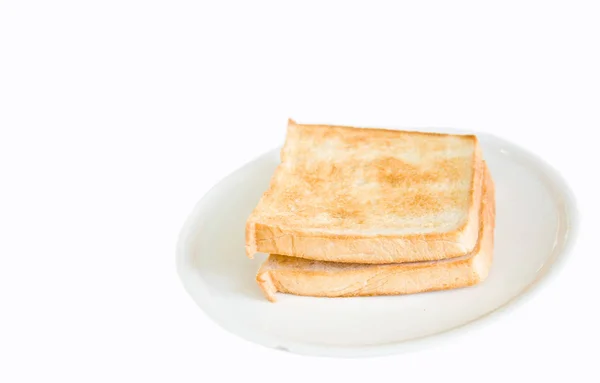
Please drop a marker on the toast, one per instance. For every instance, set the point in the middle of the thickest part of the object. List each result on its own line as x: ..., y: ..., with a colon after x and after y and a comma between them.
x: 330, y: 279
x: 365, y: 195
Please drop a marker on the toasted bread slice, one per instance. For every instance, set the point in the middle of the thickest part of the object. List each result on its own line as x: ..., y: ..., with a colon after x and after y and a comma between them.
x: 331, y: 279
x: 361, y: 195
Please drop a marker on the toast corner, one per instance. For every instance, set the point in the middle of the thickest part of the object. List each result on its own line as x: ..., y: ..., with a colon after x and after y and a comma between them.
x: 265, y: 282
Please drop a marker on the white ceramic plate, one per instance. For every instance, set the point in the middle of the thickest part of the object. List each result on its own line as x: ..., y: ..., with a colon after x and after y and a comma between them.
x: 536, y: 219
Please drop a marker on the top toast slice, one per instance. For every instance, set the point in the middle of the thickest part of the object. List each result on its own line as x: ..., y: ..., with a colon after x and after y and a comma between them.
x: 368, y: 195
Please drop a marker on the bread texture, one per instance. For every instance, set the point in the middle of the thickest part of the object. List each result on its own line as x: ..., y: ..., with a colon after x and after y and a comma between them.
x: 299, y: 276
x: 366, y: 195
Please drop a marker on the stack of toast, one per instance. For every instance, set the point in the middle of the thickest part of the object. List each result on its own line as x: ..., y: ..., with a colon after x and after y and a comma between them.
x: 365, y: 211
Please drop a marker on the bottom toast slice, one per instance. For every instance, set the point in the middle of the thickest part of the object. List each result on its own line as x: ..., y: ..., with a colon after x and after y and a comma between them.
x: 300, y: 276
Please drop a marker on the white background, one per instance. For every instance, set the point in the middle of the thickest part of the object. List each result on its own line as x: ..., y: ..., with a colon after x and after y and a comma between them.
x: 117, y: 116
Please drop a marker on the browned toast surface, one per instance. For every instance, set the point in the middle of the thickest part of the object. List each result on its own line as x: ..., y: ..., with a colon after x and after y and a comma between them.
x: 370, y: 195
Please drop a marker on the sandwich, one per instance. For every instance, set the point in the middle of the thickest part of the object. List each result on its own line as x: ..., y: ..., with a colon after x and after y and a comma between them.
x: 363, y: 211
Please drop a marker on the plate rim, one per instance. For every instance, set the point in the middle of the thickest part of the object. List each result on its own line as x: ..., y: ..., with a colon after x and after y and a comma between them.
x: 570, y: 209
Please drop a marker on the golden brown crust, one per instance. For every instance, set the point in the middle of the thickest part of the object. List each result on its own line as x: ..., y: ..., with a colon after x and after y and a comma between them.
x: 331, y: 279
x: 348, y: 194
x: 265, y: 281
